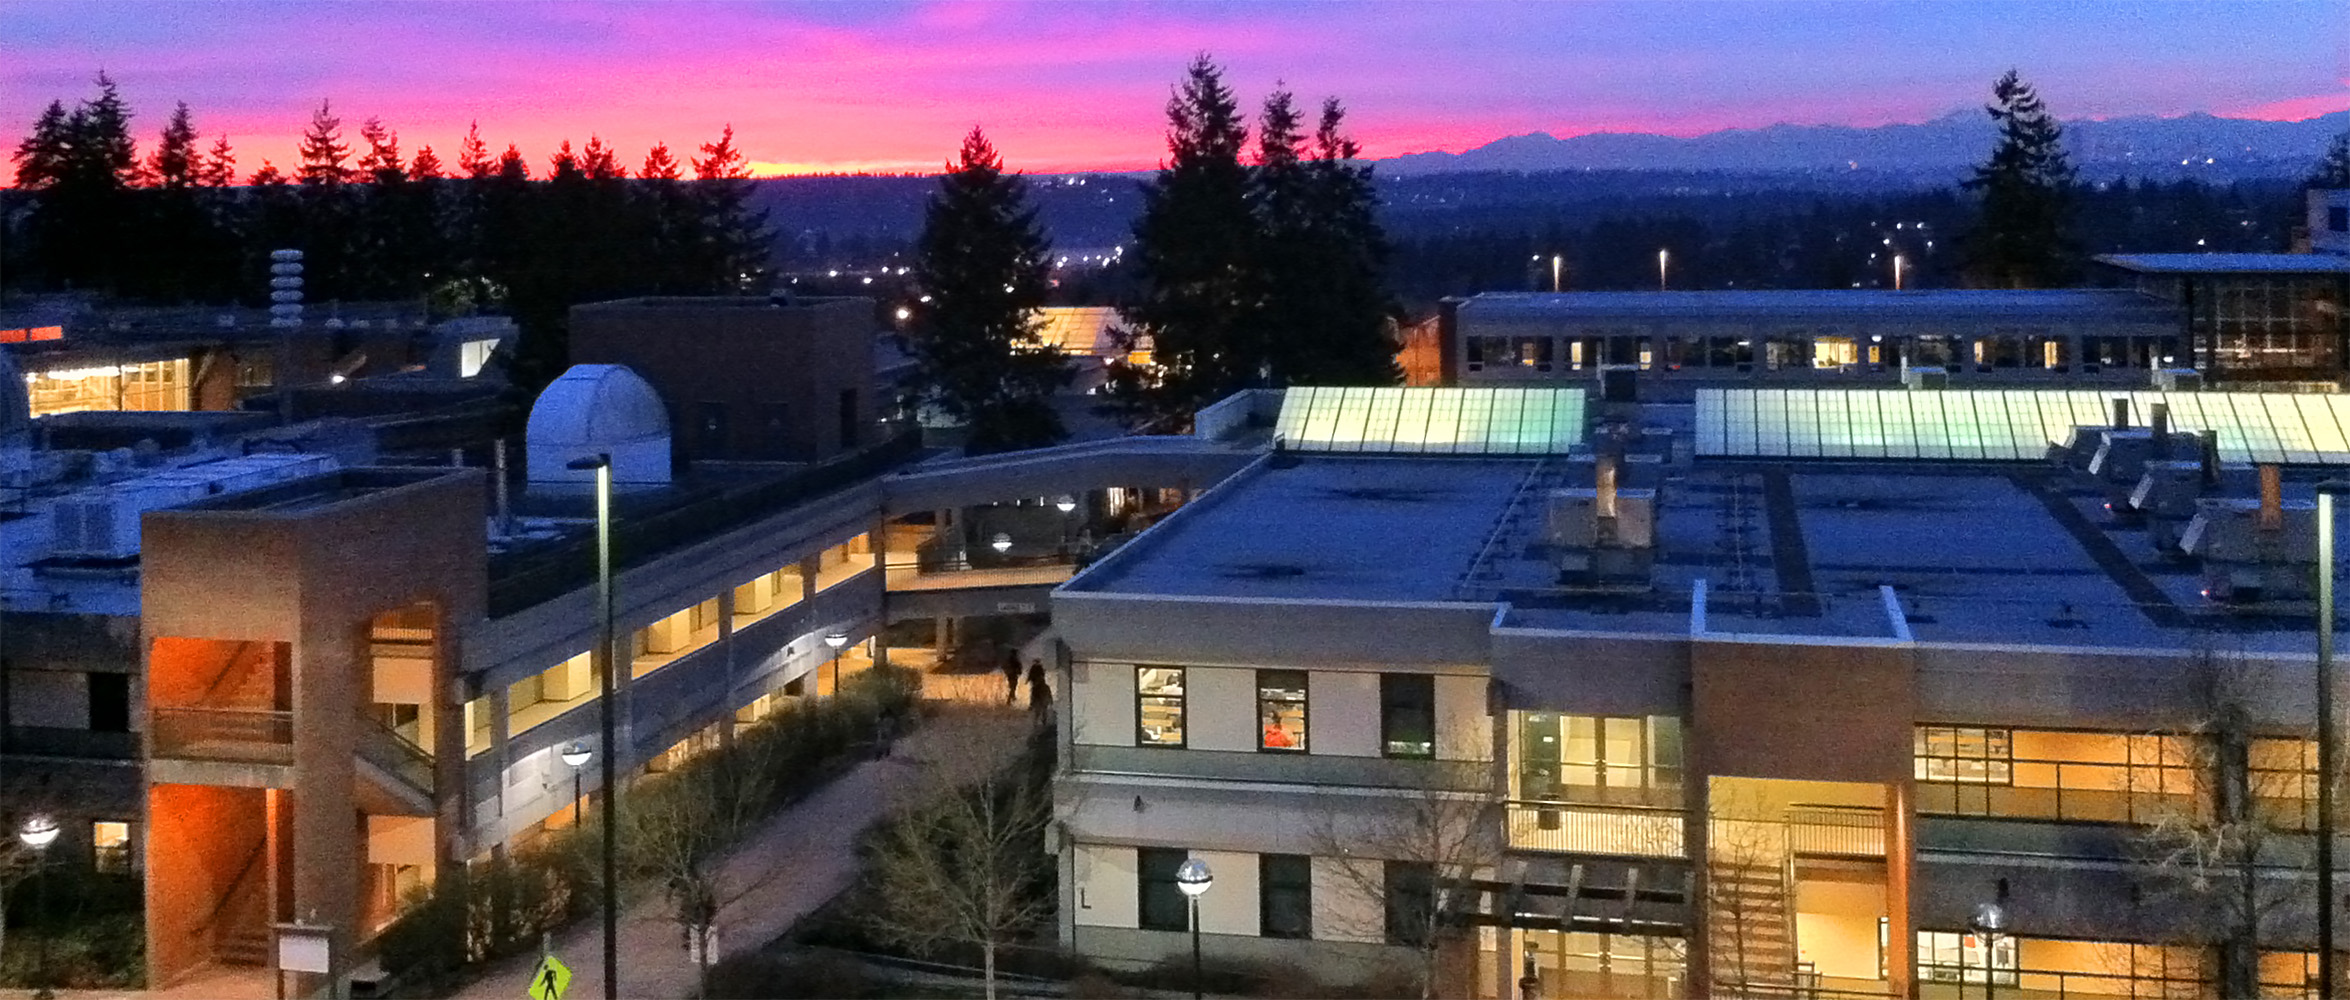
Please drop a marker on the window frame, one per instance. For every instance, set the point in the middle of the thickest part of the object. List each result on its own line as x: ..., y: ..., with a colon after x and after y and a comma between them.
x: 1389, y: 706
x: 1408, y: 900
x: 1992, y: 767
x: 1147, y: 860
x: 1182, y: 702
x: 1303, y: 704
x: 119, y: 858
x: 1295, y: 885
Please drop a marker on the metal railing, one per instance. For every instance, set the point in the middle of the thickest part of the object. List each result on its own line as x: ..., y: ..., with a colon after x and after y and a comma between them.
x: 1942, y: 982
x: 230, y: 734
x: 2068, y: 790
x: 387, y: 749
x: 532, y: 575
x: 1577, y: 828
x: 1841, y: 831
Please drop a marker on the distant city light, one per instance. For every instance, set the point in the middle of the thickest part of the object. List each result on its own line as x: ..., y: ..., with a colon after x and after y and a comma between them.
x: 904, y: 314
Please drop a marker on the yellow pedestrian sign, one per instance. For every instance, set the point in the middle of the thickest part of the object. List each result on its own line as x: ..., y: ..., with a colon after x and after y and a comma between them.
x: 550, y: 979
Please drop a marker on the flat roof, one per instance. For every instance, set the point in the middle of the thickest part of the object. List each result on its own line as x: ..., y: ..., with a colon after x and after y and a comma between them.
x: 1323, y: 527
x: 2229, y: 263
x: 1848, y: 304
x: 1973, y: 553
x: 2009, y: 424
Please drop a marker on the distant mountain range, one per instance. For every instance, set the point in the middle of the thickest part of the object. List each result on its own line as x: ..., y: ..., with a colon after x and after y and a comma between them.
x: 1949, y: 143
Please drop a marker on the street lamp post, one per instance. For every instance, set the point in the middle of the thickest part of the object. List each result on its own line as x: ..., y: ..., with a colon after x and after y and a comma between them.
x: 1989, y: 921
x: 1897, y: 262
x: 1661, y: 257
x: 1530, y: 981
x: 1194, y: 878
x: 2328, y: 736
x: 576, y: 754
x: 606, y: 686
x: 38, y: 833
x: 1557, y: 271
x: 836, y: 640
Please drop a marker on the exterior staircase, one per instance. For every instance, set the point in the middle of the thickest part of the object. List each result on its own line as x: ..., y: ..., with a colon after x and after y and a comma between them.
x: 1750, y: 925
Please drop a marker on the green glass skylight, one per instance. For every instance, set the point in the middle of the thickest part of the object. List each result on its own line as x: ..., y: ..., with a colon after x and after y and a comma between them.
x: 1496, y: 421
x: 2008, y: 424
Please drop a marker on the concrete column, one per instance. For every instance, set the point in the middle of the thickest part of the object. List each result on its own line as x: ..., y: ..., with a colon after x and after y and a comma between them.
x: 1900, y: 857
x: 726, y: 648
x: 500, y: 755
x: 880, y: 537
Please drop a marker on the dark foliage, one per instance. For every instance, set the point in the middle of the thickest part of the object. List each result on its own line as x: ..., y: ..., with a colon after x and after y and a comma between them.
x: 2023, y: 238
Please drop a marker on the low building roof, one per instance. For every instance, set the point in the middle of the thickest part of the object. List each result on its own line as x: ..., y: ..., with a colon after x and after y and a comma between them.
x: 1848, y: 305
x: 2229, y: 263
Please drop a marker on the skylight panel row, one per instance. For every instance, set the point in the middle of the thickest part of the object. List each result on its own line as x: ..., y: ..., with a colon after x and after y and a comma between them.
x: 2008, y: 424
x: 1479, y: 421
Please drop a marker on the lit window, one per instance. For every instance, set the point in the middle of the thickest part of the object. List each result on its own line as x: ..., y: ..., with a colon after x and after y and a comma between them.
x: 110, y: 846
x: 1159, y: 706
x: 1951, y: 956
x: 1281, y: 708
x: 1962, y: 755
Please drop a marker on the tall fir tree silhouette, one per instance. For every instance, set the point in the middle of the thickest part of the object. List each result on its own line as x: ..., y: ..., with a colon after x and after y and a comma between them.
x: 982, y: 265
x: 2023, y: 238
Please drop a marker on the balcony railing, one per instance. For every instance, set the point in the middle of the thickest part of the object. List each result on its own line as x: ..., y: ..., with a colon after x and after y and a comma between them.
x: 224, y: 734
x: 387, y: 749
x: 1632, y: 831
x: 1842, y: 831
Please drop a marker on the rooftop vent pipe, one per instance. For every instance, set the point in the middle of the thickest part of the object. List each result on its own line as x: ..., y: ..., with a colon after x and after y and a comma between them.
x: 2272, y: 514
x: 2121, y: 413
x: 2209, y: 456
x: 1604, y: 478
x: 2159, y: 419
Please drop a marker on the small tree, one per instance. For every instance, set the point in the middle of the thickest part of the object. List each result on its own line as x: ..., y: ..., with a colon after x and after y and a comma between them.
x: 964, y: 862
x: 981, y: 262
x: 2220, y: 796
x: 678, y: 835
x: 2023, y: 238
x: 1437, y: 838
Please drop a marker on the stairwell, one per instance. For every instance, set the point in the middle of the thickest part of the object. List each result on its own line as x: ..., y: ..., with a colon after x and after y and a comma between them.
x: 1750, y: 927
x: 239, y: 923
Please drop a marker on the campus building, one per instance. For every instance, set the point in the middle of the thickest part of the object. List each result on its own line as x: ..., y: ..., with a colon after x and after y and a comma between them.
x: 296, y: 672
x: 2251, y: 319
x: 1765, y: 695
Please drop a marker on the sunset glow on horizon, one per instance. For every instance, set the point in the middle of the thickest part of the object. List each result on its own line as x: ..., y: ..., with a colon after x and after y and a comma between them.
x: 891, y: 87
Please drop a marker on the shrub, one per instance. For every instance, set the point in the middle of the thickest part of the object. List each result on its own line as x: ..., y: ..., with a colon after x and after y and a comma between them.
x: 791, y: 975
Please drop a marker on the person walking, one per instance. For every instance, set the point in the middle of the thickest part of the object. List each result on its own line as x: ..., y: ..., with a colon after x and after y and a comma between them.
x: 1011, y: 677
x: 1040, y: 694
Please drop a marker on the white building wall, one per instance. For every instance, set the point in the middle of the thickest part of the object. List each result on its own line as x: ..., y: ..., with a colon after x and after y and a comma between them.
x: 1103, y: 704
x: 1108, y: 890
x: 1464, y: 728
x: 1342, y: 713
x: 1348, y: 900
x: 1220, y: 709
x: 1230, y: 905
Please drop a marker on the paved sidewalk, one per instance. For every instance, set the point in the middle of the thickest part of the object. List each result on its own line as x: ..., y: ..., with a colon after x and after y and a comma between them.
x: 808, y: 849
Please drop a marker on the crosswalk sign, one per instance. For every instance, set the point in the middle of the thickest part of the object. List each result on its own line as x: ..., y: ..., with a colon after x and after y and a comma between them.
x: 550, y: 979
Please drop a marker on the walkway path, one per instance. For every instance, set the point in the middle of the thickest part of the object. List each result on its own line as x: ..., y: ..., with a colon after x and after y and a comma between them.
x: 797, y: 862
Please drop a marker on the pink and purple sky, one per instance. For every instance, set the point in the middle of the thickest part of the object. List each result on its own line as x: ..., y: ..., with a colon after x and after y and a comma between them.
x: 1081, y: 85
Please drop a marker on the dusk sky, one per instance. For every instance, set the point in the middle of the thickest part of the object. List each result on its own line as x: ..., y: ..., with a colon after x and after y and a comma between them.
x: 1068, y: 86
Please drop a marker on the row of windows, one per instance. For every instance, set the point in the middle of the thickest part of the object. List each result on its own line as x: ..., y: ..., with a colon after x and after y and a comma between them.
x: 1285, y: 895
x: 1407, y: 711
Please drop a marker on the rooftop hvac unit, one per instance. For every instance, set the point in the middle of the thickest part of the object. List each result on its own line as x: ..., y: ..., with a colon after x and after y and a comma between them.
x: 103, y: 523
x: 2178, y: 380
x: 1925, y: 378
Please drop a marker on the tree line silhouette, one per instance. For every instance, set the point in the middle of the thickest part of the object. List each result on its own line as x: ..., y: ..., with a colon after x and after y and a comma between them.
x: 488, y: 231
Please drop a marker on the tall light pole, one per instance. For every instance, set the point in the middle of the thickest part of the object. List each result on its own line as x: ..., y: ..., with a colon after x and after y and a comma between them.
x: 38, y: 833
x: 2328, y: 738
x: 1897, y: 262
x: 1557, y: 271
x: 576, y: 754
x: 1988, y: 922
x: 1194, y: 878
x: 1662, y: 256
x: 608, y: 684
x: 836, y: 640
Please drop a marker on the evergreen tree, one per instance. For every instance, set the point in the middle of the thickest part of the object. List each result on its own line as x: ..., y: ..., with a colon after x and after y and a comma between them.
x: 1280, y: 199
x: 597, y: 162
x: 324, y: 152
x: 1346, y: 314
x: 175, y: 160
x: 2332, y: 172
x: 733, y: 239
x: 220, y: 165
x: 473, y: 155
x: 671, y: 222
x: 982, y: 263
x: 41, y: 157
x: 381, y: 163
x: 1194, y: 243
x: 426, y: 166
x: 2023, y: 237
